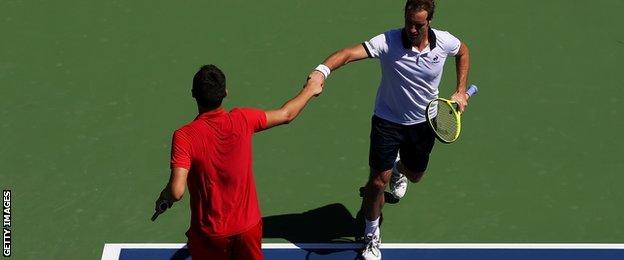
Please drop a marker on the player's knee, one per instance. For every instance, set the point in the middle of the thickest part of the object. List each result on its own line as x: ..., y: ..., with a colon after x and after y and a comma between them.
x: 414, y: 177
x: 378, y: 182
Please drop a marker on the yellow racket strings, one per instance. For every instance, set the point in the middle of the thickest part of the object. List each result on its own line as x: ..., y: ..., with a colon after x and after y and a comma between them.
x: 445, y: 122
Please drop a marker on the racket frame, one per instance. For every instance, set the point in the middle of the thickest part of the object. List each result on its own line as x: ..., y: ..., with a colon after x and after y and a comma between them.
x: 456, y: 115
x: 471, y: 91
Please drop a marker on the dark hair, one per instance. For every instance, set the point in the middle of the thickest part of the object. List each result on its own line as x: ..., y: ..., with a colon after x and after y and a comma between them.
x: 209, y: 86
x: 418, y: 5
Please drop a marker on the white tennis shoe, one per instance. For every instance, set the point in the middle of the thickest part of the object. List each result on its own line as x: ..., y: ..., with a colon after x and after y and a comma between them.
x: 371, y: 251
x: 398, y: 182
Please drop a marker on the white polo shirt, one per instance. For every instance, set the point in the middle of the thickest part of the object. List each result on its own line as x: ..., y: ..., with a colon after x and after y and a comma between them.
x: 409, y: 78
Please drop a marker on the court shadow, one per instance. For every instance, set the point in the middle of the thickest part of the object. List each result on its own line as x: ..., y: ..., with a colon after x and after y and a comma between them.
x: 181, y: 254
x: 331, y: 223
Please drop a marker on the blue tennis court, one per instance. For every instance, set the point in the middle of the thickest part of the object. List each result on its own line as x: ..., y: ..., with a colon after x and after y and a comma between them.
x: 390, y: 251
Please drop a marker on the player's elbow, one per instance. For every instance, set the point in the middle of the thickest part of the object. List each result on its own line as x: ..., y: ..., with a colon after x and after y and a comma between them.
x: 176, y: 194
x: 280, y: 116
x: 343, y: 56
x: 288, y: 116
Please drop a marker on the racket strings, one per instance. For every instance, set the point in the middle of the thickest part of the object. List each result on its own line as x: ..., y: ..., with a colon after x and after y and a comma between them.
x: 445, y: 123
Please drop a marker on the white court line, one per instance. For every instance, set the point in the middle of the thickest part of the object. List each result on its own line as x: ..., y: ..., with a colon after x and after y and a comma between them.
x: 112, y: 251
x: 446, y: 246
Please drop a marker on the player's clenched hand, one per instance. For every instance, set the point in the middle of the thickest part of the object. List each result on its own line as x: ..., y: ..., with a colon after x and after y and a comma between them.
x: 317, y: 76
x: 315, y: 82
x: 314, y: 87
x: 162, y: 204
x: 462, y: 100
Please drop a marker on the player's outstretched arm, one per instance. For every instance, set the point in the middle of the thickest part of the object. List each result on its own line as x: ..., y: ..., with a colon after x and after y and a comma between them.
x: 339, y: 59
x: 291, y: 109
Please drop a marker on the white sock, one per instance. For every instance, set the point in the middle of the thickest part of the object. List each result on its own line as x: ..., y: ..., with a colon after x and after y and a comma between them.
x: 395, y: 168
x: 372, y: 227
x: 396, y: 161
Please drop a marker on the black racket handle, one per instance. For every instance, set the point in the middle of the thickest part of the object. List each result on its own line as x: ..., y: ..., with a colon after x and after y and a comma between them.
x: 162, y: 208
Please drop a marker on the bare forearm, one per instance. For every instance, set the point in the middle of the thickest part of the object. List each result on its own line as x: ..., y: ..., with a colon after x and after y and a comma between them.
x: 167, y: 193
x: 293, y: 107
x: 337, y: 59
x: 174, y: 190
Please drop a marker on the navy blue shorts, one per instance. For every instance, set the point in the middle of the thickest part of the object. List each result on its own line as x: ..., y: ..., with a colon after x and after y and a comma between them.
x: 414, y: 142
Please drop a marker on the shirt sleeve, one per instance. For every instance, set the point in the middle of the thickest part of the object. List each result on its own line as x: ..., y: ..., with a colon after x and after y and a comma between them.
x: 255, y: 118
x: 451, y: 44
x: 377, y: 46
x: 180, y: 150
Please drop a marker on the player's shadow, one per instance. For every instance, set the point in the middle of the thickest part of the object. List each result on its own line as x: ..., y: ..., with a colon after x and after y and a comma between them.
x: 181, y: 254
x: 328, y: 224
x: 331, y: 223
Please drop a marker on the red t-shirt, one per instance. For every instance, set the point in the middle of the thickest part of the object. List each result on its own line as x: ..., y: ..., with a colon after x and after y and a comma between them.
x: 216, y: 149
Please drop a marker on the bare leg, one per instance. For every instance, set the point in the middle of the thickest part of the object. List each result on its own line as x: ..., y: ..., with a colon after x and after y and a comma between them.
x: 374, y: 193
x: 413, y: 176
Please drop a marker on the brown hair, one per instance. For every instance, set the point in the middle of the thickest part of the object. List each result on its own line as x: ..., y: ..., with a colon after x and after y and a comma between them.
x: 418, y: 5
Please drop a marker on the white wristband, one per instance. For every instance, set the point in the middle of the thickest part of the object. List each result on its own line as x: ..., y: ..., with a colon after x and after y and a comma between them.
x: 323, y: 69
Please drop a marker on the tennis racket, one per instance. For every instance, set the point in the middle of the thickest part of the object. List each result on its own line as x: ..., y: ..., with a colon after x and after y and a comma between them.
x: 444, y: 117
x: 162, y: 207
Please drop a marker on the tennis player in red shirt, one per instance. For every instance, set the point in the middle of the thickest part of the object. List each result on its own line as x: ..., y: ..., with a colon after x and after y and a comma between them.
x: 213, y: 155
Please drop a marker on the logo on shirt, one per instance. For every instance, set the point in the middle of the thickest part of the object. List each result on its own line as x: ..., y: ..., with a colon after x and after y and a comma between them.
x: 435, y: 59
